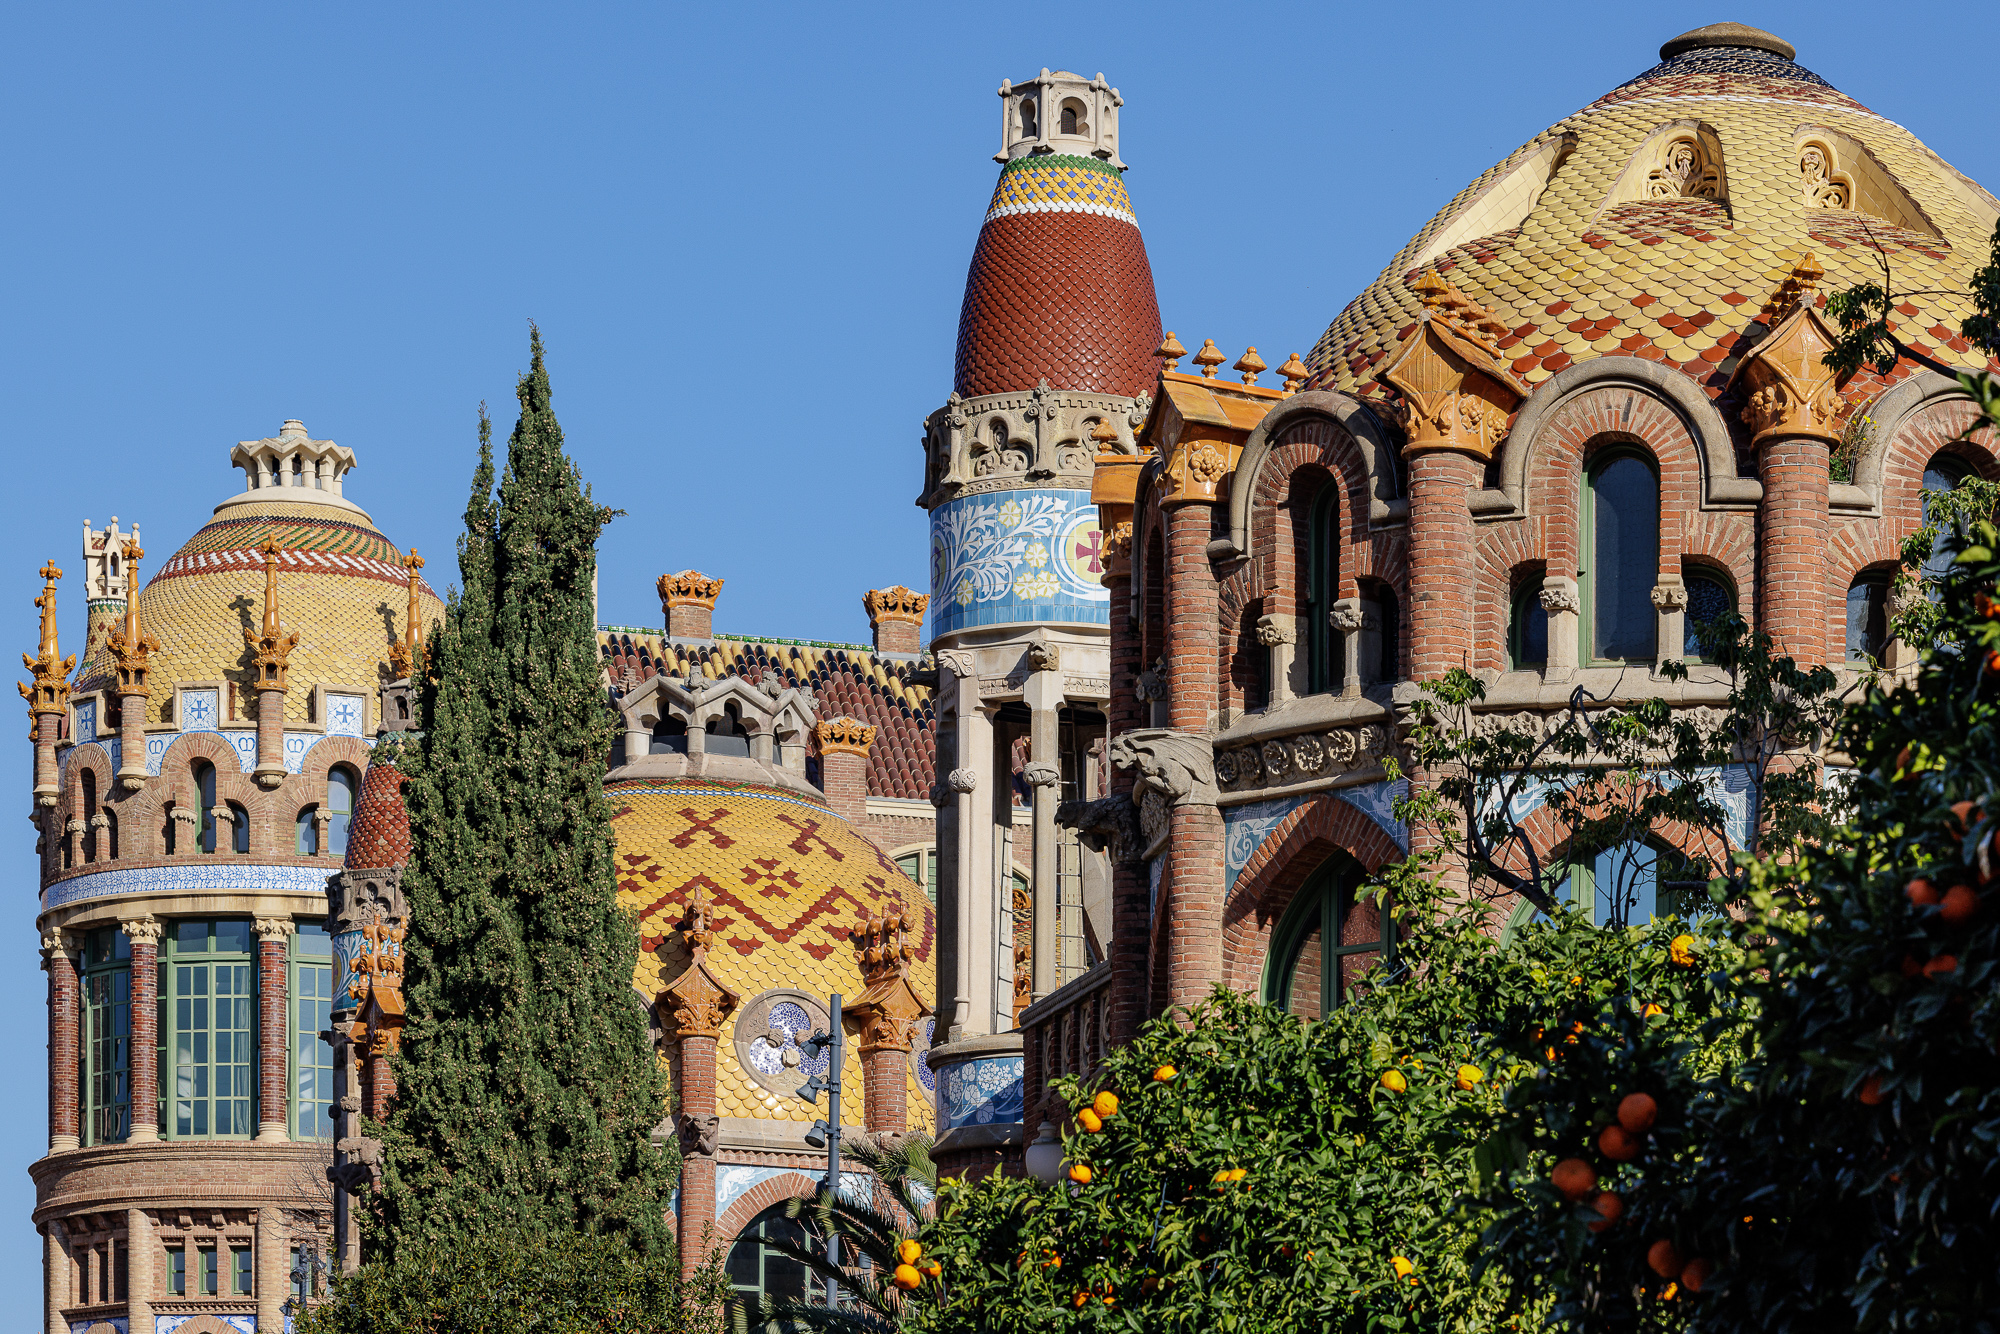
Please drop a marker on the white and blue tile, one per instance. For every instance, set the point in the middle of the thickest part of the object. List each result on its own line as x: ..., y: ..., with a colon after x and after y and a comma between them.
x: 981, y: 1093
x: 344, y: 714
x: 231, y: 877
x: 1013, y: 557
x: 201, y: 711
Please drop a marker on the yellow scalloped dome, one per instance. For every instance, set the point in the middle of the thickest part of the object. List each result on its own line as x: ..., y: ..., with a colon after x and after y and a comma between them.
x: 341, y: 586
x: 786, y: 879
x: 1658, y: 220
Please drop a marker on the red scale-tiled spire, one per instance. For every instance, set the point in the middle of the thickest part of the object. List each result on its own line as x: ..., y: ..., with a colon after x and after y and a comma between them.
x: 1060, y: 288
x: 380, y: 834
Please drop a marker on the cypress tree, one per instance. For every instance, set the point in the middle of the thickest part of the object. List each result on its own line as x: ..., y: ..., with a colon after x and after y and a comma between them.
x: 527, y: 1080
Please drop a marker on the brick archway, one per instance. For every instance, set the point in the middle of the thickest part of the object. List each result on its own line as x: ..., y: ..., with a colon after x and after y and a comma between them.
x: 754, y: 1201
x: 1295, y: 848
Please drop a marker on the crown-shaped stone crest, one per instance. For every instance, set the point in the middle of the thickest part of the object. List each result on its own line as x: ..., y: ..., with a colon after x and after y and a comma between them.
x: 844, y: 735
x: 689, y: 588
x: 895, y: 603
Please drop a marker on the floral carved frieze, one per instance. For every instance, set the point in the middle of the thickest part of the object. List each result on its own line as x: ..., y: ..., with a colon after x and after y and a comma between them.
x: 1302, y: 758
x: 1001, y: 440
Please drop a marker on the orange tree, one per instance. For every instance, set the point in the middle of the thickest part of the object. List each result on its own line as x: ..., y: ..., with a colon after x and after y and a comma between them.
x: 1843, y: 1177
x: 1253, y: 1172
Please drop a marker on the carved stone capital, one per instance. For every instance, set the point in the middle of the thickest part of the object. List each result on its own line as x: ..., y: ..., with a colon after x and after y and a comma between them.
x: 143, y: 930
x: 1180, y: 766
x: 1345, y: 616
x: 270, y: 929
x: 1670, y: 597
x: 957, y: 661
x: 1788, y: 389
x: 1041, y: 773
x: 1560, y: 599
x: 1456, y: 390
x: 1275, y: 630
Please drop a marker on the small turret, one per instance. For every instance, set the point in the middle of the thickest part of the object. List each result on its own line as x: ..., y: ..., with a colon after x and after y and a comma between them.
x: 1059, y: 112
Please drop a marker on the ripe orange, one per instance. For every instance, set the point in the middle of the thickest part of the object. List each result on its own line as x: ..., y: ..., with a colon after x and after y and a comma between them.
x: 1870, y: 1092
x: 1665, y: 1258
x: 1081, y: 1298
x: 1966, y: 814
x: 1053, y: 1262
x: 1637, y: 1112
x: 932, y: 1269
x: 1681, y: 950
x: 1960, y: 904
x: 1941, y: 966
x: 1652, y: 1008
x: 909, y: 1251
x: 1393, y: 1081
x: 1696, y: 1273
x: 1469, y: 1076
x: 1105, y: 1104
x: 1088, y: 1120
x: 1080, y: 1173
x: 1164, y: 1073
x: 1403, y: 1268
x: 1921, y: 892
x: 907, y: 1277
x: 1574, y: 1178
x: 1609, y: 1209
x: 1618, y: 1144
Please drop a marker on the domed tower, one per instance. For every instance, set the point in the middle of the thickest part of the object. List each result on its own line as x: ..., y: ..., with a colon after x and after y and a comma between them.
x: 757, y: 900
x: 1055, y: 360
x: 203, y: 773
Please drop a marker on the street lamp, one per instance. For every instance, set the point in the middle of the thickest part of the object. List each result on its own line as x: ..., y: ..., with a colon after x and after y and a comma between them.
x: 308, y: 1278
x: 1045, y: 1156
x: 825, y: 1133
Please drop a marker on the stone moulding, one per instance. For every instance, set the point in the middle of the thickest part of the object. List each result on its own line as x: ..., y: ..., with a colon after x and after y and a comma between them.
x: 1378, y: 449
x: 1304, y: 760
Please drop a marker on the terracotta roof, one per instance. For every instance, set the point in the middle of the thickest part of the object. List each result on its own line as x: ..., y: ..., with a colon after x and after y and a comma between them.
x: 1582, y: 253
x: 848, y: 678
x: 380, y: 833
x: 1060, y: 288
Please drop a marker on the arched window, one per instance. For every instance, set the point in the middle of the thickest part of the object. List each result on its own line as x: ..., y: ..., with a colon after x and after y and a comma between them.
x: 1621, y: 557
x: 920, y: 864
x: 1327, y: 939
x: 1942, y: 473
x: 1028, y: 129
x: 89, y: 816
x: 1528, y: 629
x: 726, y: 735
x: 670, y: 737
x: 239, y: 829
x: 1708, y: 597
x: 1391, y: 667
x: 1073, y: 121
x: 1325, y: 653
x: 111, y: 834
x: 340, y: 787
x: 1867, y: 617
x: 204, y: 788
x: 756, y: 1269
x: 308, y: 832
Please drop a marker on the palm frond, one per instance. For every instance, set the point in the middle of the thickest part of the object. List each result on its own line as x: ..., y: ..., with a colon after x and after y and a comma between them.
x: 859, y: 1280
x: 783, y: 1315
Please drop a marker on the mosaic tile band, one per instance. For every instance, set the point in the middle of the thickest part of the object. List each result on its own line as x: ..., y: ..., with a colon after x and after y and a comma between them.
x: 1013, y: 557
x: 233, y: 877
x: 1061, y: 184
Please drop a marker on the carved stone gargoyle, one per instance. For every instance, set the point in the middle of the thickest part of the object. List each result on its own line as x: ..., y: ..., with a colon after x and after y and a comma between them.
x: 1180, y: 766
x: 363, y: 1166
x: 698, y: 1134
x: 1109, y: 825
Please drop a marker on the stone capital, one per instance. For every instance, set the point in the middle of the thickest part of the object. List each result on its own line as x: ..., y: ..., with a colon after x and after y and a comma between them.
x: 147, y: 929
x: 1456, y: 392
x: 1788, y: 390
x: 274, y: 929
x: 1275, y: 630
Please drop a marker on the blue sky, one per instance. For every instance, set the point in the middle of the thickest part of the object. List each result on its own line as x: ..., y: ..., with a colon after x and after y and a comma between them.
x: 744, y: 232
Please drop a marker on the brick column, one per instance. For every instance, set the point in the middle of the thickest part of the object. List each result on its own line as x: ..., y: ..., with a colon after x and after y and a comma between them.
x: 1794, y: 603
x: 64, y: 1023
x: 144, y: 933
x: 697, y: 1169
x: 271, y: 1265
x: 1130, y: 950
x: 896, y: 615
x: 843, y: 766
x: 58, y: 1277
x: 273, y: 1045
x: 1192, y: 885
x: 688, y: 601
x: 270, y: 769
x: 1442, y: 579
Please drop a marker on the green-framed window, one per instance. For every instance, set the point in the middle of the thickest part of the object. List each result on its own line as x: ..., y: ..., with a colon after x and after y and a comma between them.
x: 107, y: 1045
x: 208, y: 1030
x: 1709, y: 596
x: 1327, y: 939
x: 1325, y: 660
x: 177, y: 1271
x: 1620, y: 553
x: 921, y: 865
x: 755, y: 1269
x: 242, y: 1278
x: 1528, y: 628
x: 312, y: 1056
x: 1630, y: 884
x: 341, y: 786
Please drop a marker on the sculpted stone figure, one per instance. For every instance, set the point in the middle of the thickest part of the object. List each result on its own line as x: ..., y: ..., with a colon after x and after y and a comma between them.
x: 1177, y: 765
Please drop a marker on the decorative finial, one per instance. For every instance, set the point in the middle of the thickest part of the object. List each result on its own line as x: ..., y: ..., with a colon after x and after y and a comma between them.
x: 1796, y: 290
x: 1104, y: 434
x: 1430, y: 289
x: 698, y: 923
x: 403, y: 657
x: 131, y: 649
x: 1208, y: 358
x: 49, y: 691
x: 1171, y: 351
x: 273, y: 647
x: 1250, y: 364
x: 1295, y: 373
x: 885, y: 952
